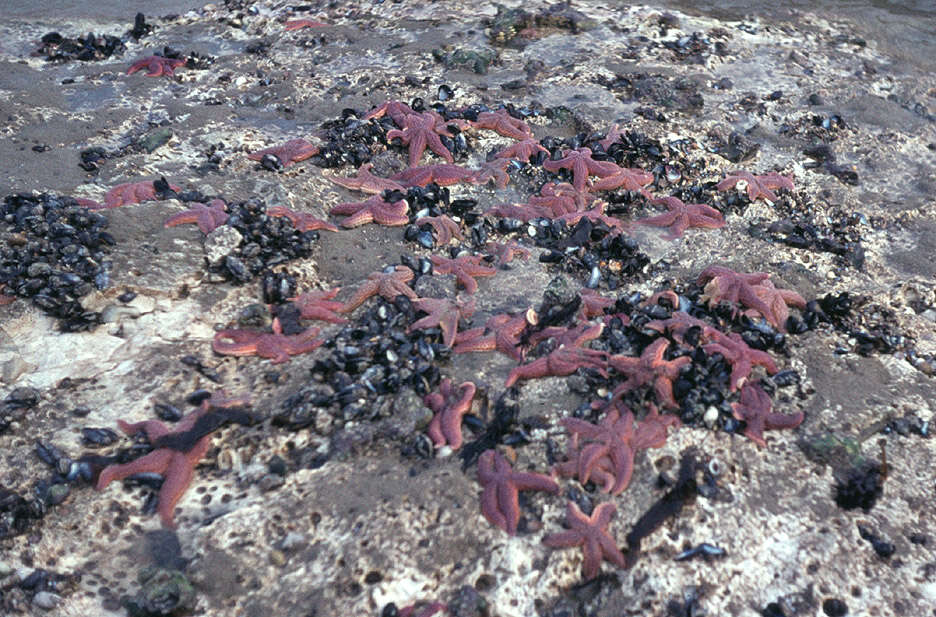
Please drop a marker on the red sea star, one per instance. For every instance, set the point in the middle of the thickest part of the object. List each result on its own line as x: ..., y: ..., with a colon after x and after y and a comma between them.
x: 582, y: 165
x: 319, y: 305
x: 503, y: 123
x: 521, y: 212
x: 560, y: 362
x: 442, y: 174
x: 276, y: 346
x: 733, y: 287
x: 682, y: 216
x: 500, y: 499
x: 495, y: 170
x: 595, y: 214
x: 501, y: 333
x: 739, y: 355
x: 613, y: 135
x: 609, y: 447
x: 374, y: 210
x: 629, y: 179
x: 754, y: 409
x: 593, y: 303
x: 521, y: 150
x: 133, y: 193
x: 386, y: 284
x: 292, y: 151
x: 505, y: 251
x: 449, y: 406
x: 465, y: 268
x: 777, y: 300
x: 650, y: 367
x: 177, y: 467
x: 298, y: 24
x: 302, y: 221
x: 420, y: 131
x: 591, y: 533
x: 156, y: 66
x: 208, y: 218
x: 445, y: 228
x: 367, y: 182
x: 395, y: 109
x: 575, y: 336
x: 444, y: 313
x: 757, y: 186
x: 678, y: 325
x: 562, y: 198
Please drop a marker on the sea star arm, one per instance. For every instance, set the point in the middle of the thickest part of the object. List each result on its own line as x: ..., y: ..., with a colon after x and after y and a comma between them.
x: 450, y: 406
x: 319, y: 305
x: 374, y: 210
x: 366, y: 182
x: 754, y: 408
x: 208, y: 218
x: 292, y: 151
x: 156, y: 66
x: 302, y: 221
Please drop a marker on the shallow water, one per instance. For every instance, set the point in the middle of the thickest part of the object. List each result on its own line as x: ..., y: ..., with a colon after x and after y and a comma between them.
x: 905, y: 29
x: 101, y: 9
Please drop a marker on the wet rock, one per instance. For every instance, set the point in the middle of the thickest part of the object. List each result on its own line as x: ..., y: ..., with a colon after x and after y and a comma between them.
x: 46, y: 600
x: 154, y: 139
x: 477, y: 60
x: 220, y: 243
x: 162, y: 592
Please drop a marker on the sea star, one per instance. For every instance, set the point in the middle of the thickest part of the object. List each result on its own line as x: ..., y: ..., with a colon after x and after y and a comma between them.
x: 754, y: 409
x: 593, y: 303
x: 444, y: 313
x: 395, y: 109
x: 319, y: 305
x: 465, y: 268
x: 582, y: 165
x: 426, y: 611
x: 367, y: 182
x: 733, y: 287
x: 135, y: 192
x: 276, y: 346
x: 302, y: 221
x: 495, y: 170
x: 156, y: 66
x: 591, y: 533
x: 613, y: 136
x: 575, y: 336
x: 678, y: 325
x: 176, y: 466
x: 449, y: 406
x: 739, y: 355
x: 442, y: 174
x: 609, y: 447
x: 386, y: 284
x: 503, y: 123
x: 298, y: 24
x: 445, y: 228
x: 500, y: 499
x: 522, y: 150
x: 292, y: 151
x: 630, y: 179
x: 504, y: 252
x: 501, y: 333
x: 422, y: 130
x: 521, y: 212
x: 650, y: 367
x: 373, y: 210
x: 208, y: 218
x: 595, y: 215
x: 560, y: 362
x: 681, y: 216
x: 561, y: 198
x: 757, y: 186
x: 778, y: 300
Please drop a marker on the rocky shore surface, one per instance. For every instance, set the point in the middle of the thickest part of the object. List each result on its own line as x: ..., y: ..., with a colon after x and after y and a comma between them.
x: 325, y: 496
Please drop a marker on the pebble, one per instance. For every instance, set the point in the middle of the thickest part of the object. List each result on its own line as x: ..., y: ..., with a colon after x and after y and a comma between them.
x: 46, y: 600
x: 220, y: 242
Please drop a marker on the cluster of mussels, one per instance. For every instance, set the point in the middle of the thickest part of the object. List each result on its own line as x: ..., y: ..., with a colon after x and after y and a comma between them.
x: 61, y: 49
x: 374, y: 355
x: 264, y: 242
x: 54, y: 252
